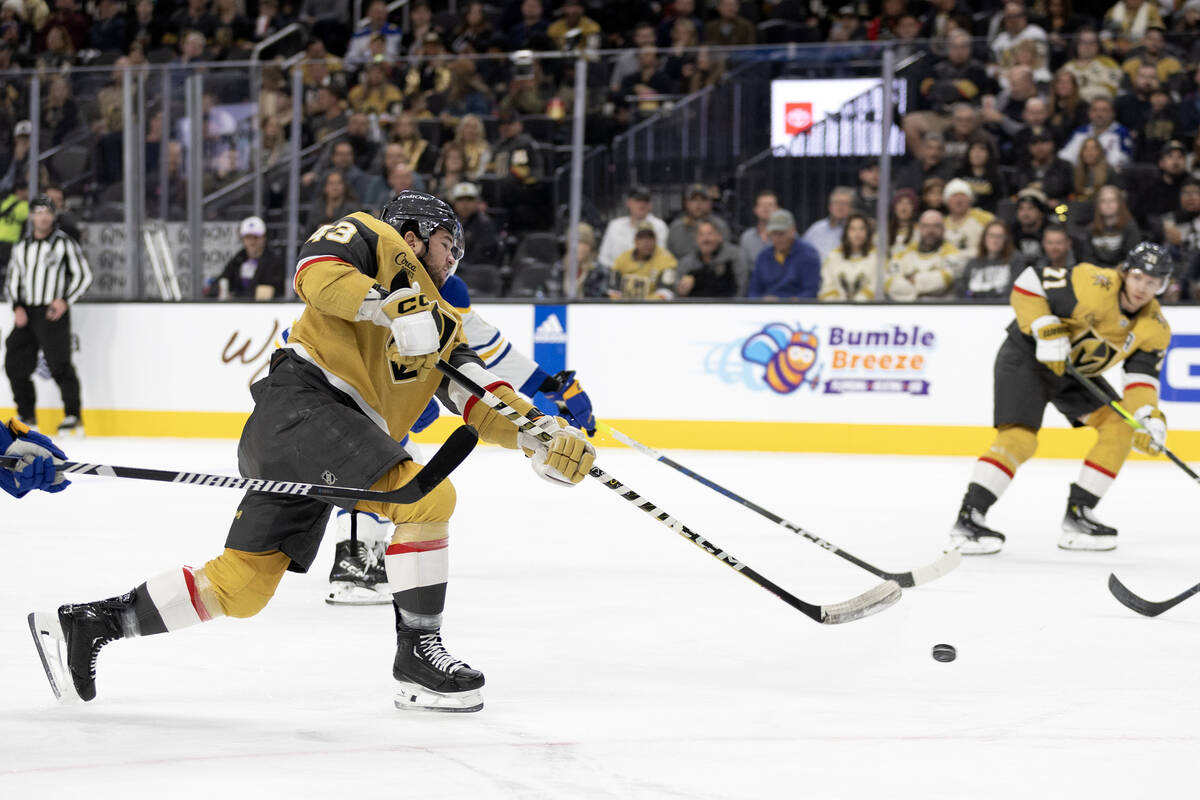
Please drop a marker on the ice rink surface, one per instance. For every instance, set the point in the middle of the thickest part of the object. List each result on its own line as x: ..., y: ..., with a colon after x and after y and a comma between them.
x: 621, y: 661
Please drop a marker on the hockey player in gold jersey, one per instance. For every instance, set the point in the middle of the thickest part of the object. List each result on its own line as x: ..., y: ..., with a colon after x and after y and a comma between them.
x: 358, y: 369
x: 1096, y: 318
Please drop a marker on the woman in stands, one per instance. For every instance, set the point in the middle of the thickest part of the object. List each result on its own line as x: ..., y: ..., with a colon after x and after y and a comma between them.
x: 990, y: 273
x: 336, y: 201
x: 1092, y: 171
x: 1113, y: 232
x: 902, y: 224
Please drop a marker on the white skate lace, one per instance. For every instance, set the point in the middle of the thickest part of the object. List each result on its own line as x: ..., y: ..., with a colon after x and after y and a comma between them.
x: 433, y: 651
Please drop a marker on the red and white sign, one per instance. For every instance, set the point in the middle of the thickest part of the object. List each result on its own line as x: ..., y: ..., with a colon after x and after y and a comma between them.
x: 798, y: 117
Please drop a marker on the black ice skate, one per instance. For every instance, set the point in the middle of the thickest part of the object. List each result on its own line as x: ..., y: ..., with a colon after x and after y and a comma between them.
x: 1082, y: 531
x: 69, y: 642
x: 358, y: 577
x: 70, y: 426
x: 971, y: 537
x: 429, y: 678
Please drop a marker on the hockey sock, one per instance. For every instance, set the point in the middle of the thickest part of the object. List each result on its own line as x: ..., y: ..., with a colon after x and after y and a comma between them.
x: 418, y: 565
x: 1106, y: 457
x: 994, y: 471
x: 179, y: 598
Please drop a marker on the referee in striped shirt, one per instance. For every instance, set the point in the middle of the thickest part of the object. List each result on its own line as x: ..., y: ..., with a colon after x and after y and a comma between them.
x: 47, y: 272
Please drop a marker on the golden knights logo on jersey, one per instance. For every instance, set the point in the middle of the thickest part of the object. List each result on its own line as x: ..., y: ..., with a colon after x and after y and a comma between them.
x: 1091, y: 355
x: 447, y: 326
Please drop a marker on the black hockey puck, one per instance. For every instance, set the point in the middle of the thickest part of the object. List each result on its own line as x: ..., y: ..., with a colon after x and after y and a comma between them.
x: 944, y: 652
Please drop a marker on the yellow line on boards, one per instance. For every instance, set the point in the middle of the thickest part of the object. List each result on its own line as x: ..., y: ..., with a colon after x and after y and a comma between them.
x: 784, y: 437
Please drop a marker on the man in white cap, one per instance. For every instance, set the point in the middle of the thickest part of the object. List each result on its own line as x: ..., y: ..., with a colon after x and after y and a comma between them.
x: 480, y: 231
x: 17, y: 170
x: 256, y: 271
x: 964, y: 223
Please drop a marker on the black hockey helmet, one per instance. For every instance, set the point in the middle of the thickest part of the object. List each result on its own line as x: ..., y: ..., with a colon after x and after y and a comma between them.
x: 1151, y: 259
x: 422, y: 214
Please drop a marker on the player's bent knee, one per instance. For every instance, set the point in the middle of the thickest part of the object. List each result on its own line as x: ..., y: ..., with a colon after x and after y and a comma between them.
x: 245, y: 582
x: 1115, y: 432
x: 1018, y: 442
x: 436, y: 506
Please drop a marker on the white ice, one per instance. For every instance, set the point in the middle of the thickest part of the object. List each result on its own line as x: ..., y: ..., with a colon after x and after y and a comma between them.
x: 622, y: 661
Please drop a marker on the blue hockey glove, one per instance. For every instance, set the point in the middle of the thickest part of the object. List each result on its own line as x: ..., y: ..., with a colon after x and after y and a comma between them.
x: 37, y: 454
x: 572, y: 401
x: 427, y: 418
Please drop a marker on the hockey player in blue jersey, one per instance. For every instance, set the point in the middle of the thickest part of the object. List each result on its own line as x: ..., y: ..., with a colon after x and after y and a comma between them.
x: 358, y: 576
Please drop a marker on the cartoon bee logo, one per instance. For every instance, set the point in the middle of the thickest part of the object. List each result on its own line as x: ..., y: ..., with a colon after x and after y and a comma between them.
x: 1103, y: 281
x: 787, y: 354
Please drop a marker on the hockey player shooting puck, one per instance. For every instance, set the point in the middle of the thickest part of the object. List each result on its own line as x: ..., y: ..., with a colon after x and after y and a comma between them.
x: 944, y: 652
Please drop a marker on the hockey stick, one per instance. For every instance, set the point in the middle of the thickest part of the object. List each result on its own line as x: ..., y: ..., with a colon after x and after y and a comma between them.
x: 460, y: 444
x: 872, y: 601
x: 1147, y: 608
x: 906, y: 580
x: 1103, y: 397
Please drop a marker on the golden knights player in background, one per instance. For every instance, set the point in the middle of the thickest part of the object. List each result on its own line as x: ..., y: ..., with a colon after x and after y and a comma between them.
x: 1097, y: 318
x: 357, y: 371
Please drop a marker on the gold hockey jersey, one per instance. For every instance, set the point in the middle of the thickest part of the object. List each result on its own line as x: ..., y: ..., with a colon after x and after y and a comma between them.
x: 336, y: 268
x: 1087, y: 299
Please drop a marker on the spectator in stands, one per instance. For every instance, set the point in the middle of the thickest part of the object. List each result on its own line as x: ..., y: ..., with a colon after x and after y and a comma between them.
x: 400, y: 178
x: 331, y: 115
x: 1002, y: 115
x: 680, y: 9
x: 1091, y: 172
x: 1067, y: 111
x: 848, y: 272
x: 826, y: 234
x: 966, y: 126
x: 932, y: 192
x: 648, y: 84
x: 902, y: 222
x: 60, y: 114
x: 626, y: 64
x: 450, y: 169
x: 1034, y: 118
x: 1113, y: 231
x: 420, y: 25
x: 755, y: 238
x: 932, y: 163
x: 359, y: 51
x: 1133, y: 107
x: 866, y: 196
x: 1044, y: 170
x: 147, y: 28
x: 419, y: 154
x: 269, y: 20
x: 233, y: 33
x: 336, y: 200
x: 1153, y: 53
x: 376, y: 94
x: 517, y: 161
x: 680, y: 63
x: 66, y: 219
x: 274, y: 100
x: 319, y: 68
x: 194, y: 16
x: 697, y: 208
x: 429, y: 70
x: 1096, y: 75
x: 964, y: 221
x: 528, y: 91
x: 714, y: 268
x: 533, y: 24
x: 18, y: 164
x: 59, y: 54
x: 981, y: 174
x: 480, y: 231
x: 1056, y: 244
x: 790, y: 269
x: 991, y: 272
x: 1181, y: 229
x: 256, y: 271
x: 1133, y: 18
x: 14, y: 210
x: 74, y: 23
x: 1161, y: 126
x: 573, y: 18
x: 592, y: 280
x: 471, y: 137
x: 329, y: 21
x: 1017, y: 29
x: 1161, y: 196
x: 1028, y: 226
x: 955, y: 79
x: 618, y: 236
x: 473, y: 31
x: 466, y: 94
x: 729, y: 28
x: 1113, y: 137
x: 929, y: 266
x: 645, y: 271
x: 1061, y: 25
x: 108, y: 30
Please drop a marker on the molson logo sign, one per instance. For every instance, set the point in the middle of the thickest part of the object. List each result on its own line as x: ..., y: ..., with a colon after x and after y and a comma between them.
x: 841, y: 360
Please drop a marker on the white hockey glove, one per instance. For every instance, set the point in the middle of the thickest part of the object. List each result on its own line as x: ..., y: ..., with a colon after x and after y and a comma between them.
x: 1151, y: 438
x: 409, y: 314
x: 1053, y: 346
x: 565, y: 459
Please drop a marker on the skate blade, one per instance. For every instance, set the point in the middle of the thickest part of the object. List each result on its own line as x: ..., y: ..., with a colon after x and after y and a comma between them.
x: 349, y: 594
x: 412, y: 697
x: 975, y: 547
x: 52, y: 650
x: 1086, y: 542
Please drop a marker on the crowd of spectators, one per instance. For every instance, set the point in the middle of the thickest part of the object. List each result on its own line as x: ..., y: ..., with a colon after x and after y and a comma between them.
x: 1029, y: 126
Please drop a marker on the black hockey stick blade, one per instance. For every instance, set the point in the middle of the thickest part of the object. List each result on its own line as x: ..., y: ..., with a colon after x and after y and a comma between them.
x: 1147, y: 608
x: 444, y: 461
